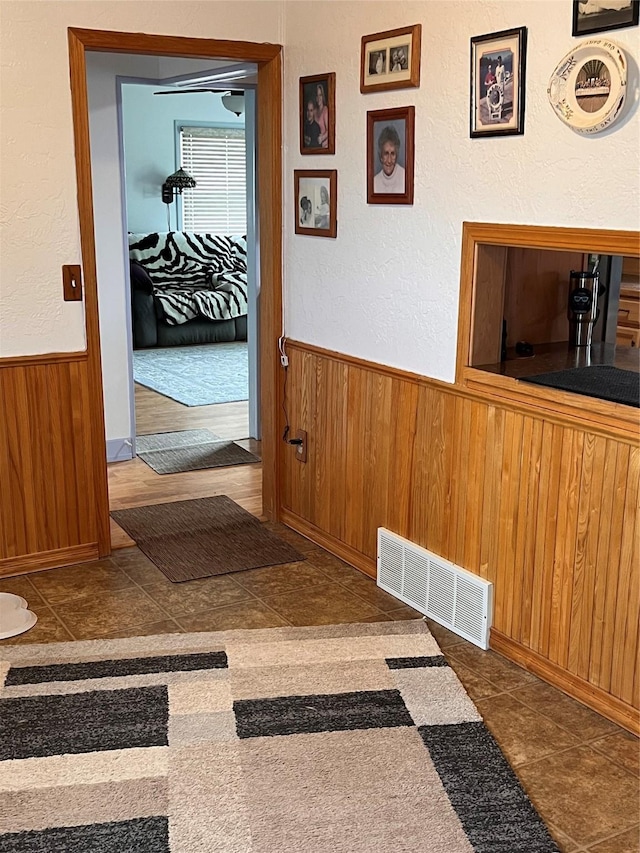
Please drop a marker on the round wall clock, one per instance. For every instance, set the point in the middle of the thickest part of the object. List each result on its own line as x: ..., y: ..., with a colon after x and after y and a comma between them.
x: 588, y: 86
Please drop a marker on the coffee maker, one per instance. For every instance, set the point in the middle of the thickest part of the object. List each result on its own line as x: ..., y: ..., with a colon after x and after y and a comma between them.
x: 583, y: 311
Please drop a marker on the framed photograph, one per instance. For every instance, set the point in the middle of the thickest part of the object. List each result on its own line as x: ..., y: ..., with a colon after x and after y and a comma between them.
x: 318, y: 114
x: 590, y: 16
x: 391, y: 60
x: 316, y: 200
x: 498, y: 83
x: 390, y: 157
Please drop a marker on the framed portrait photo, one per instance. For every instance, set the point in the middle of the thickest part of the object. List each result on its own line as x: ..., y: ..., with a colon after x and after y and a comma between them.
x: 498, y: 83
x: 316, y: 199
x: 391, y: 60
x: 595, y: 17
x: 318, y: 114
x: 390, y: 156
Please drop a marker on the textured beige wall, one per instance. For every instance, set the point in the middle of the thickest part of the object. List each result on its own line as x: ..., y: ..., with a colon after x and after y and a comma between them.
x: 387, y: 288
x: 38, y: 208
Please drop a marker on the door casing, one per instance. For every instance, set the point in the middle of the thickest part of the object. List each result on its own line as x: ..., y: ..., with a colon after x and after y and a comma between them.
x: 268, y: 58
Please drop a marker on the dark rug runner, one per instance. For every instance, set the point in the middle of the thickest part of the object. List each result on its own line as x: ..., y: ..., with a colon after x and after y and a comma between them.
x: 600, y: 380
x: 204, y: 537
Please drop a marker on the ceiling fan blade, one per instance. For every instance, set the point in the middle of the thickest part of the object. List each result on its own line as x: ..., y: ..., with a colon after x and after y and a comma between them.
x: 194, y: 91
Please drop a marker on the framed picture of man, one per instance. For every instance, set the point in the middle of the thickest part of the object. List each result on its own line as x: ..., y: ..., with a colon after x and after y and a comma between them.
x: 315, y: 200
x: 318, y: 114
x: 498, y: 83
x: 390, y: 156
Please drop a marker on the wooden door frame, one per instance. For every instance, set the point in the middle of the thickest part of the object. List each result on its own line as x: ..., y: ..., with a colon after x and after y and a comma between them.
x: 268, y: 58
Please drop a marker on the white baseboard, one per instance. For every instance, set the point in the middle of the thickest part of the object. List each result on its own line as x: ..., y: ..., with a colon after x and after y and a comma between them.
x: 119, y: 449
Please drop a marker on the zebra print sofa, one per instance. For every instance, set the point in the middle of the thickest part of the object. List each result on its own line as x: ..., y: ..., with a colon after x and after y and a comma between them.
x: 187, y: 288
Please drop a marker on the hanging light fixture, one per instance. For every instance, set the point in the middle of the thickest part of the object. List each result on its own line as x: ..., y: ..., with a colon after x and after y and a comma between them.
x: 173, y: 186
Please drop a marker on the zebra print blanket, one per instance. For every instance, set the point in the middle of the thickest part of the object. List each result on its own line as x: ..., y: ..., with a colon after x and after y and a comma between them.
x: 194, y: 275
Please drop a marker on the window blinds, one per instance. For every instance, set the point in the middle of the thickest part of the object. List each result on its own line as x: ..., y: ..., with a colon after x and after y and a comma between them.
x: 216, y: 158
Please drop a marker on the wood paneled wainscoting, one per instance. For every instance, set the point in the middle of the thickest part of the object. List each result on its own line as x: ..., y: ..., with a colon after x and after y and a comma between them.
x: 542, y: 504
x: 49, y: 486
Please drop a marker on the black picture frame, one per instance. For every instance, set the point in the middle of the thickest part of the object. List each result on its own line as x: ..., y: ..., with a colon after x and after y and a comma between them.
x: 607, y: 19
x: 498, y: 76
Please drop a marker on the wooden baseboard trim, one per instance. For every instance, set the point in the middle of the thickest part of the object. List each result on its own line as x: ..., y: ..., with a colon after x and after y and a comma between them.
x: 48, y: 559
x: 329, y: 543
x: 593, y: 697
x: 44, y: 358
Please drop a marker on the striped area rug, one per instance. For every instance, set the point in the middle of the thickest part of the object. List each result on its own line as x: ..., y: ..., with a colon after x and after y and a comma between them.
x: 339, y: 738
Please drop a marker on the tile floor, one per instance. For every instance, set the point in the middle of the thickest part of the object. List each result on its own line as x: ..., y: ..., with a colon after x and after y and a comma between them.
x: 580, y: 770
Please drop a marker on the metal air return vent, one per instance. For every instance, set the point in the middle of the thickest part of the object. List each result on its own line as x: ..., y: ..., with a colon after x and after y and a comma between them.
x: 444, y: 592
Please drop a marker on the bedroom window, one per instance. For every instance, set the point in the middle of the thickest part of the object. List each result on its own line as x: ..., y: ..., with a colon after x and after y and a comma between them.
x: 216, y: 158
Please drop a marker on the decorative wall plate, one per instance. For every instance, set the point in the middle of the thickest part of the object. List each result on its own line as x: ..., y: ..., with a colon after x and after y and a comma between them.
x: 587, y: 88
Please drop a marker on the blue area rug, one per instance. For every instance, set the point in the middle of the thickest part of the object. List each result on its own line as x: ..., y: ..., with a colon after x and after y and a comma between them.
x: 195, y: 376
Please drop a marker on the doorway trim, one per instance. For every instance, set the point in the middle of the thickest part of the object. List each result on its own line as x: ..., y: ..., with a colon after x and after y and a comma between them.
x: 268, y: 58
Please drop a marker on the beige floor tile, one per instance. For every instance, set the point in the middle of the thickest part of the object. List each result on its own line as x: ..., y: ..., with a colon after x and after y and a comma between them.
x: 275, y: 580
x: 100, y: 613
x: 138, y: 567
x: 180, y: 599
x: 71, y: 582
x: 21, y: 585
x: 321, y: 605
x: 46, y: 630
x: 565, y: 844
x: 492, y: 667
x: 583, y: 794
x: 166, y: 626
x: 523, y: 734
x: 249, y: 614
x: 332, y: 566
x: 444, y: 638
x: 476, y: 686
x: 628, y: 842
x: 566, y: 712
x: 403, y: 613
x: 366, y: 588
x: 623, y: 748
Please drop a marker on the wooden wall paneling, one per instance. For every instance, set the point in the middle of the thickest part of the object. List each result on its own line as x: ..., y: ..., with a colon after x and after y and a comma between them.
x: 402, y: 458
x: 604, y: 561
x: 379, y: 486
x: 329, y: 444
x: 492, y: 478
x: 469, y: 550
x: 353, y: 474
x: 627, y: 616
x: 522, y: 523
x: 533, y: 469
x: 588, y: 528
x: 489, y: 296
x: 613, y: 564
x: 459, y: 480
x: 511, y: 570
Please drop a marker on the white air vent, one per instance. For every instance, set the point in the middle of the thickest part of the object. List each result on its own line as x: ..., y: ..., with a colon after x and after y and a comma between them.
x: 441, y: 590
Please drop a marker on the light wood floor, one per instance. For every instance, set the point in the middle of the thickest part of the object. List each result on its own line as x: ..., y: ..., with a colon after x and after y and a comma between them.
x: 134, y: 483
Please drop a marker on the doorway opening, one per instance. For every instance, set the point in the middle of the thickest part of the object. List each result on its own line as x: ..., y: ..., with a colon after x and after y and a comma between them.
x: 268, y: 223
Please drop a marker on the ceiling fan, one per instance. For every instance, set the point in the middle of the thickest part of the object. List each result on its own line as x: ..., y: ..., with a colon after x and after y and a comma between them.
x: 232, y: 99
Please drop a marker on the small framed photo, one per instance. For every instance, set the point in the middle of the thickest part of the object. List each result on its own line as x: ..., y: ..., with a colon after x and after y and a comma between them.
x: 593, y: 17
x: 318, y: 114
x: 390, y: 156
x: 391, y: 60
x: 498, y: 83
x: 316, y: 199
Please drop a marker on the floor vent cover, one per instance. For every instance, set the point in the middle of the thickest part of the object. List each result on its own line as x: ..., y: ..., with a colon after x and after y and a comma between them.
x: 441, y: 590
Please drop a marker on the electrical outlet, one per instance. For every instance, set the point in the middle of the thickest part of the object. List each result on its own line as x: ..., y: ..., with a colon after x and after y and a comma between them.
x: 301, y: 449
